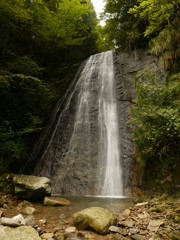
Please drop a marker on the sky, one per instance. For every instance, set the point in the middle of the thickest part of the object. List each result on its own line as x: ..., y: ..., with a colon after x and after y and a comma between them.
x: 98, y: 5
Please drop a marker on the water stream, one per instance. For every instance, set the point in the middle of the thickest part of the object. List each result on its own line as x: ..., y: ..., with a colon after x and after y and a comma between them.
x: 83, y: 154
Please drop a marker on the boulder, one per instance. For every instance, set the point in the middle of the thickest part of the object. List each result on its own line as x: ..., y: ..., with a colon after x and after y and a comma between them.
x: 96, y: 218
x: 27, y: 187
x: 19, y: 233
x: 31, y: 188
x: 55, y: 201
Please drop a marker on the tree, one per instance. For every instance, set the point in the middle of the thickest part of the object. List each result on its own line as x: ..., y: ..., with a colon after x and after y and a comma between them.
x: 124, y: 30
x: 155, y: 116
x: 41, y: 45
x: 163, y: 27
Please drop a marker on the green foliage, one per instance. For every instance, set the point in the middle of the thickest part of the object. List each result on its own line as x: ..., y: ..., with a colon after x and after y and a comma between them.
x: 24, y: 65
x: 163, y: 27
x: 42, y: 43
x: 124, y: 30
x: 156, y: 117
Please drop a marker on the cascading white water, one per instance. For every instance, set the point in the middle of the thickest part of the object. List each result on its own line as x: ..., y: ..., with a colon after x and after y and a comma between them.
x: 109, y: 143
x: 85, y: 141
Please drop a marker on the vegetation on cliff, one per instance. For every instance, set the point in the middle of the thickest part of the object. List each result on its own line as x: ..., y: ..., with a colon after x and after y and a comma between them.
x: 153, y: 24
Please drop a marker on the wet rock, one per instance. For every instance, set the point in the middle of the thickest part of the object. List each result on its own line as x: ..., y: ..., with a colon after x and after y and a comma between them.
x: 23, y: 205
x: 59, y: 236
x: 40, y: 231
x: 143, y: 215
x: 119, y: 230
x: 53, y: 201
x: 31, y: 188
x: 126, y: 213
x: 85, y: 235
x: 42, y: 221
x: 19, y: 233
x: 138, y: 237
x: 97, y: 218
x: 127, y: 223
x: 30, y: 220
x: 20, y: 219
x: 141, y: 204
x: 133, y: 230
x: 71, y: 237
x: 47, y: 235
x: 9, y: 222
x: 154, y: 225
x: 6, y: 206
x: 116, y: 237
x: 29, y: 210
x: 71, y: 230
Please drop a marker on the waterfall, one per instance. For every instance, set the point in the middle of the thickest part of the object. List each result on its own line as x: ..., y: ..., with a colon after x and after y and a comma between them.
x: 109, y: 141
x: 83, y: 154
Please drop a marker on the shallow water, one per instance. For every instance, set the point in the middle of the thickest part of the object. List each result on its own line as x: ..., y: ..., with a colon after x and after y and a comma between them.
x: 115, y: 205
x: 59, y: 218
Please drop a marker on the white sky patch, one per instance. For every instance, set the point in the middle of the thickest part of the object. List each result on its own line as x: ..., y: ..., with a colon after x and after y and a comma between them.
x: 98, y: 5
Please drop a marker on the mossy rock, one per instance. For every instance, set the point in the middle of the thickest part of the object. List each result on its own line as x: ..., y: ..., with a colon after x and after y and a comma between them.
x: 96, y: 218
x: 19, y: 233
x: 27, y: 187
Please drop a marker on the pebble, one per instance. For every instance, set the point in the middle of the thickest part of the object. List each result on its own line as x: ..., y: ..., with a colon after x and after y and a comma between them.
x: 30, y: 220
x: 133, y: 231
x: 20, y: 219
x: 128, y: 223
x: 9, y: 222
x: 115, y: 229
x: 29, y: 210
x: 141, y: 204
x: 47, y: 235
x: 138, y: 237
x: 126, y: 213
x: 71, y: 230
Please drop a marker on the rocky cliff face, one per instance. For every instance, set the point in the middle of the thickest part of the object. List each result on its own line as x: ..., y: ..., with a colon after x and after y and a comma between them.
x: 76, y: 174
x: 126, y: 66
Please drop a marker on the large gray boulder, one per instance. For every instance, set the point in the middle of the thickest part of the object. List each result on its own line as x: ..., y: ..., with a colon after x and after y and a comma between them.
x: 31, y: 187
x: 19, y: 233
x: 27, y: 187
x: 96, y: 218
